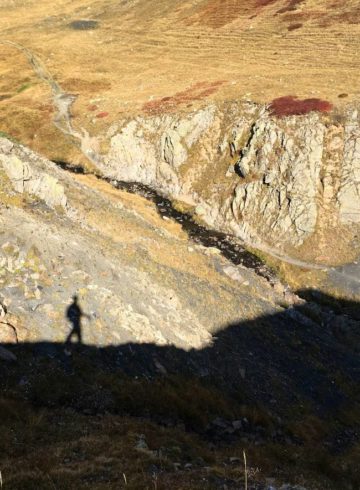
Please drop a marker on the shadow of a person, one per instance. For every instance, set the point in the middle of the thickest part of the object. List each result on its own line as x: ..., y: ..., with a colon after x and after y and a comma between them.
x: 74, y: 315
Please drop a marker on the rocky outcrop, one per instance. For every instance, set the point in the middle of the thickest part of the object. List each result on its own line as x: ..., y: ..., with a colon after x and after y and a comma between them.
x: 265, y: 179
x: 27, y: 174
x: 349, y: 194
x: 285, y: 168
x: 152, y: 151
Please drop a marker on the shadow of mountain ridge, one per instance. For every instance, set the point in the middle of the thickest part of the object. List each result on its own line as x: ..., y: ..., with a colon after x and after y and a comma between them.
x: 307, y: 355
x: 283, y: 387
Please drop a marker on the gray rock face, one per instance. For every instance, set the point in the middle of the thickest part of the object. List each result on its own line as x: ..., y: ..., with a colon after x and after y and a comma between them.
x: 349, y: 194
x: 152, y: 151
x: 246, y: 172
x: 284, y: 164
x: 27, y: 174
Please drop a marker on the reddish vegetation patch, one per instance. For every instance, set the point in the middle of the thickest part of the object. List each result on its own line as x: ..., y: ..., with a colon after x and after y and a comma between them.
x: 293, y: 27
x: 102, y: 114
x: 92, y: 107
x: 350, y: 15
x: 218, y: 13
x: 292, y: 106
x: 196, y: 92
x: 291, y: 6
x: 336, y: 12
x: 264, y: 3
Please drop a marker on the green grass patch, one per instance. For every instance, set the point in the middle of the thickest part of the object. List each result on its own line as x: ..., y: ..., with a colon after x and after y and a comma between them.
x: 23, y: 87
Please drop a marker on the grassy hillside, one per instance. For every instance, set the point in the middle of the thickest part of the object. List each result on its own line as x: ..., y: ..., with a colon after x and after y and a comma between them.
x: 119, y: 57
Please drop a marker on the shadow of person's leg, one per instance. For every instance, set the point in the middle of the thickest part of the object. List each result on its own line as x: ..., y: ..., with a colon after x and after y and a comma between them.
x: 79, y: 334
x: 67, y: 344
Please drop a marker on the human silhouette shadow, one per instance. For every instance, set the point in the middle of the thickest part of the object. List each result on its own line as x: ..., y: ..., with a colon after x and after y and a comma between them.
x: 74, y: 315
